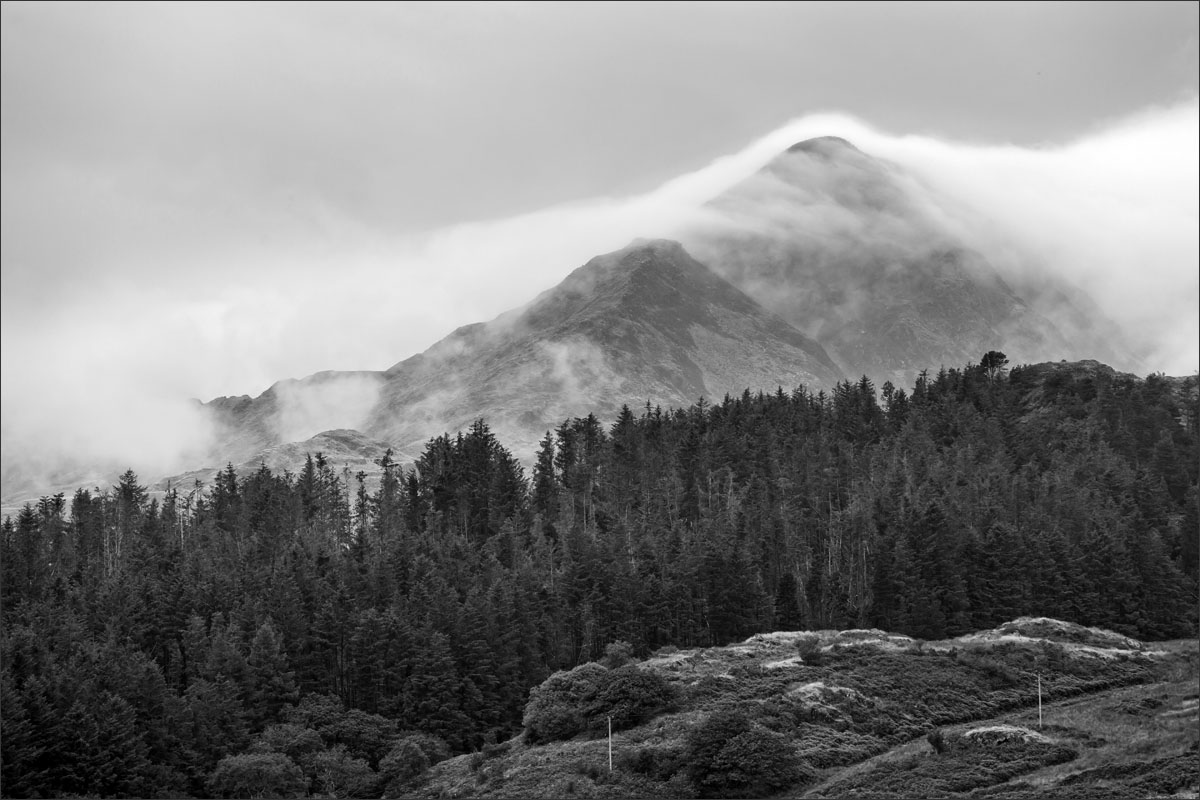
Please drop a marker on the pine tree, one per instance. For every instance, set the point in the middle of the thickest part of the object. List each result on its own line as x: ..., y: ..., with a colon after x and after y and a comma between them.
x: 271, y: 684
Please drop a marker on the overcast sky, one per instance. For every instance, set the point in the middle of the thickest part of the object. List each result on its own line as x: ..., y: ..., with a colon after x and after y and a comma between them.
x: 199, y: 199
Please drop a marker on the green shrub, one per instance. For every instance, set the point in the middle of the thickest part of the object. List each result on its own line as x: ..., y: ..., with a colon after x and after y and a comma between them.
x: 637, y: 759
x: 365, y: 736
x: 809, y: 648
x: 630, y: 696
x: 704, y: 742
x: 617, y: 654
x: 820, y: 746
x: 338, y: 774
x: 568, y: 703
x: 257, y: 775
x: 727, y: 756
x: 315, y: 711
x: 755, y: 763
x: 294, y: 741
x: 656, y: 763
x: 551, y: 719
x: 403, y: 763
x: 556, y: 709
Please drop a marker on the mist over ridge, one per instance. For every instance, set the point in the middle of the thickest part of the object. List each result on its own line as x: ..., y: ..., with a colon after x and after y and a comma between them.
x: 1114, y: 212
x: 646, y: 323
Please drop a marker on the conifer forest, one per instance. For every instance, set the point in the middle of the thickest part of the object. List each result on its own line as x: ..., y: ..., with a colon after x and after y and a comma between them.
x: 155, y: 645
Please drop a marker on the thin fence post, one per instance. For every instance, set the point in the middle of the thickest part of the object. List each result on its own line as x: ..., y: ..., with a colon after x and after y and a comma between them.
x: 1039, y: 700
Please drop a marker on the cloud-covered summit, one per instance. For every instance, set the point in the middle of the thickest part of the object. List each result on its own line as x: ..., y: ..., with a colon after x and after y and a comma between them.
x: 104, y: 373
x: 643, y: 324
x: 851, y: 249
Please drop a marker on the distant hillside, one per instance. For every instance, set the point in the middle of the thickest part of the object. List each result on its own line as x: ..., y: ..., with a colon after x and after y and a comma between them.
x: 346, y: 452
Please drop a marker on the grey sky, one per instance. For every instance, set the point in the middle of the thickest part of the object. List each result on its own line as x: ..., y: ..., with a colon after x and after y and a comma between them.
x: 412, y: 115
x: 202, y: 198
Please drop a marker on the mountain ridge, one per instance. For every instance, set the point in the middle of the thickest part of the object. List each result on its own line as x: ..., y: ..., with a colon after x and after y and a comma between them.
x: 845, y: 247
x: 825, y: 256
x: 823, y: 265
x: 647, y: 322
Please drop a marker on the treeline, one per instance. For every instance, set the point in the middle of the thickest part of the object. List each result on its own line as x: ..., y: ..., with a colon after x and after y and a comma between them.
x: 146, y: 643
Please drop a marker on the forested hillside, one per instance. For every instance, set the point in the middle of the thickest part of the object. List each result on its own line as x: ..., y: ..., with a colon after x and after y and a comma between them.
x: 148, y: 646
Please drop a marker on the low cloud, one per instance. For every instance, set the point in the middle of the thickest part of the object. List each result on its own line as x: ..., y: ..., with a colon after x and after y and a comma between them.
x: 80, y: 405
x: 576, y: 369
x: 1115, y: 213
x: 324, y: 403
x: 105, y: 365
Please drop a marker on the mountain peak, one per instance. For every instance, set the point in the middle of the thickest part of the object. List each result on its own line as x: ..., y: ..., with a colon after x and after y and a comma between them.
x: 646, y: 322
x: 640, y: 261
x: 845, y: 247
x: 824, y: 146
x: 638, y: 255
x: 643, y: 280
x: 652, y: 245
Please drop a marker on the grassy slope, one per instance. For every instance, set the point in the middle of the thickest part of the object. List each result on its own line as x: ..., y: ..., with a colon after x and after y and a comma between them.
x: 1120, y: 720
x: 1131, y: 741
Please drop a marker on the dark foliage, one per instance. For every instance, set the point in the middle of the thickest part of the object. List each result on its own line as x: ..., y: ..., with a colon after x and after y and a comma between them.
x: 628, y: 696
x: 558, y: 709
x: 728, y: 756
x: 657, y: 763
x: 147, y: 639
x: 257, y: 775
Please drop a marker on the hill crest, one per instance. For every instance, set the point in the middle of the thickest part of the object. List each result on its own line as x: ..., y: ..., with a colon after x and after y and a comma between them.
x: 850, y: 707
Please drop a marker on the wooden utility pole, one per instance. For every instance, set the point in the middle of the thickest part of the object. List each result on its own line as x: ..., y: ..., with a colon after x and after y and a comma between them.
x: 610, y: 743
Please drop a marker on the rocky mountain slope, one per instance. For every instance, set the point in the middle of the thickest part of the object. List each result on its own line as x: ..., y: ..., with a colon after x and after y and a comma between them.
x: 852, y: 251
x: 647, y: 323
x: 827, y: 263
x: 644, y: 324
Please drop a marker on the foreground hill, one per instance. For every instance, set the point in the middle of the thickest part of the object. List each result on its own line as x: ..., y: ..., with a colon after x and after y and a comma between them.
x: 864, y: 713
